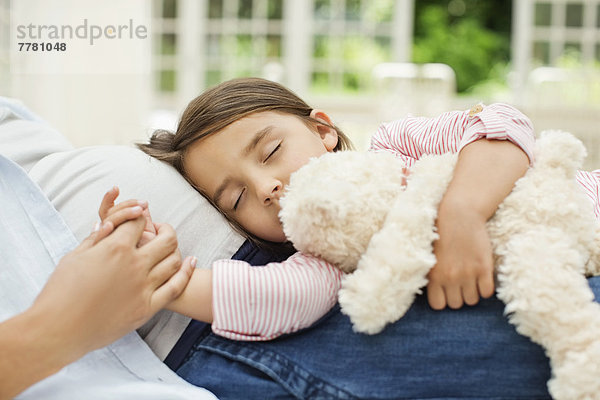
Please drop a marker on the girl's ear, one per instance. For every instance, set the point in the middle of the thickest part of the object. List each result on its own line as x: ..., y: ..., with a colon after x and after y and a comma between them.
x: 325, y: 129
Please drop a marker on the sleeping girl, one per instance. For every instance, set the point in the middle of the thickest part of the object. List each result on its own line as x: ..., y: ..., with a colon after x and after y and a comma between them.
x: 239, y: 142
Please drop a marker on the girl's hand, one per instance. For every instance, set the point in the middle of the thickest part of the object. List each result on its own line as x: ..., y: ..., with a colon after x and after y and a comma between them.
x: 485, y: 173
x: 113, y: 215
x: 465, y: 270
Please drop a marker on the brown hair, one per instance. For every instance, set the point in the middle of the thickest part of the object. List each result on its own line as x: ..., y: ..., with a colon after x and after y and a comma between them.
x: 222, y: 105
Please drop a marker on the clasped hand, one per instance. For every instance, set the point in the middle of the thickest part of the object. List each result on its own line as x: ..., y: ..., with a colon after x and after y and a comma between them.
x: 120, y: 276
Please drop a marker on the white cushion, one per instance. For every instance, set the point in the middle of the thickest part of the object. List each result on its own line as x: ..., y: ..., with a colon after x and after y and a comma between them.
x: 76, y: 179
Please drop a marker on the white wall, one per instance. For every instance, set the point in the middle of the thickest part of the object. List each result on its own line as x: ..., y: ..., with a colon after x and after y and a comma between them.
x: 93, y: 94
x: 99, y: 109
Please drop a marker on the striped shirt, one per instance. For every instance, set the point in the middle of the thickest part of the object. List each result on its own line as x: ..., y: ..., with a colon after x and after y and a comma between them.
x: 411, y: 137
x: 261, y: 303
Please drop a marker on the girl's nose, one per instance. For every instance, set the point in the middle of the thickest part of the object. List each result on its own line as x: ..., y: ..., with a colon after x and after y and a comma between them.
x: 272, y: 191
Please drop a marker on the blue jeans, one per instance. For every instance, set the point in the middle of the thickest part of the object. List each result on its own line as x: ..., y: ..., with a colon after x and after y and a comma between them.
x: 472, y: 352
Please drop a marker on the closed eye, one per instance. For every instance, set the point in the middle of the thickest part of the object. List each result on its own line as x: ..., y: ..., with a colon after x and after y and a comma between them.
x: 239, y: 199
x: 273, y: 152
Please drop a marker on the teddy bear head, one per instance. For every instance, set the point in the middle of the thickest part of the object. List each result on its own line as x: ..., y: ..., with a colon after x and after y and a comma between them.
x: 335, y: 203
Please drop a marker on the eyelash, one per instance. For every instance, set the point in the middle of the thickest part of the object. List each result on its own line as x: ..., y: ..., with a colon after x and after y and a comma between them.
x: 274, y: 151
x: 237, y: 202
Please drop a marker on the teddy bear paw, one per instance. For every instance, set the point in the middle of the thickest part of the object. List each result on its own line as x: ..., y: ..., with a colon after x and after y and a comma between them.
x: 368, y: 305
x: 364, y: 319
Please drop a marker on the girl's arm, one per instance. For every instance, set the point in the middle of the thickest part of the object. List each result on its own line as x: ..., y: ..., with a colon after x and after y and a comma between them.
x: 485, y: 173
x: 260, y: 303
x: 196, y: 299
x: 412, y: 137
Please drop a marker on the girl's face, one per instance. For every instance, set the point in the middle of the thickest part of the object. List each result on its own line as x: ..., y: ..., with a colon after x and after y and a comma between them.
x: 245, y: 167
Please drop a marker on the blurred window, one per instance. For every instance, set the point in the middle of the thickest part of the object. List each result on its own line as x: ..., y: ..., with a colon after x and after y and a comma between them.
x: 341, y: 41
x: 543, y: 14
x: 169, y: 9
x: 165, y: 49
x: 565, y: 32
x: 349, y: 38
x: 541, y: 52
x: 574, y: 15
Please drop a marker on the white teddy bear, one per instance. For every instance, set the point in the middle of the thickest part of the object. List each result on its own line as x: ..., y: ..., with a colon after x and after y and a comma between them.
x: 352, y: 209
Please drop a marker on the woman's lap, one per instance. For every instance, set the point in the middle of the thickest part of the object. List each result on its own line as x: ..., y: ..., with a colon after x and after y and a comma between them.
x: 471, y: 352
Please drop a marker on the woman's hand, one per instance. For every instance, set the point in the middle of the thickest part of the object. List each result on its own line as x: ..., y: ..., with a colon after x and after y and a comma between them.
x: 98, y: 292
x: 114, y: 281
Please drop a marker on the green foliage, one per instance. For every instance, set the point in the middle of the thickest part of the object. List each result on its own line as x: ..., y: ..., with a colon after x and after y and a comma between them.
x: 379, y: 10
x: 352, y: 59
x: 363, y: 53
x: 463, y: 42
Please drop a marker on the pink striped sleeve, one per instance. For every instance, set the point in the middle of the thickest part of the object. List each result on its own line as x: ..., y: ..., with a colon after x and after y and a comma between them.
x: 501, y: 122
x: 261, y: 303
x: 411, y: 137
x: 590, y: 183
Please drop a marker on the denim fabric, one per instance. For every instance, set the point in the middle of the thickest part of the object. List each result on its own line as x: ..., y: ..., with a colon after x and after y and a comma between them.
x: 470, y: 353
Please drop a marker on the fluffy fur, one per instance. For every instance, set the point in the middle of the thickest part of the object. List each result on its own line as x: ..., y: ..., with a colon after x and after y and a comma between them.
x: 351, y: 209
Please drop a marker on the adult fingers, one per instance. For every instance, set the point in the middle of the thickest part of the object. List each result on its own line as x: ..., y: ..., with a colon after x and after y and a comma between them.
x: 128, y: 204
x: 173, y: 288
x: 165, y: 269
x: 98, y: 233
x: 108, y: 201
x: 162, y: 245
x: 129, y: 232
x: 101, y: 230
x: 124, y: 214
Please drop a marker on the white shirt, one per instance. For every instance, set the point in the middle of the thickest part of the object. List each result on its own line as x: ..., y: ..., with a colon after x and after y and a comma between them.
x: 33, y: 238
